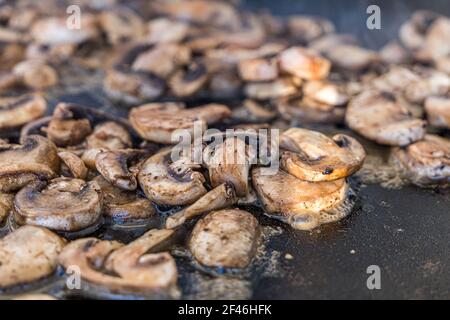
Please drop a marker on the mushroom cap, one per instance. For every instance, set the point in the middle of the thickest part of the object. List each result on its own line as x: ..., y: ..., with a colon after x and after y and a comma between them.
x: 64, y: 204
x: 312, y: 156
x: 28, y: 254
x: 305, y: 205
x: 425, y: 162
x: 15, y: 112
x: 225, y: 238
x: 170, y: 183
x: 35, y: 159
x: 380, y: 117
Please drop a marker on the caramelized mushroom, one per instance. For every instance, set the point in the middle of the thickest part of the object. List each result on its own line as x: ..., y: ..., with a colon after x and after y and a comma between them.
x: 312, y: 156
x: 281, y: 87
x: 165, y: 30
x: 35, y: 159
x: 63, y: 204
x: 226, y: 239
x: 6, y: 201
x: 189, y: 80
x: 36, y: 74
x: 425, y: 162
x: 28, y: 254
x: 171, y: 183
x: 258, y: 69
x: 74, y: 164
x: 304, y: 63
x: 15, y: 112
x: 304, y: 205
x: 380, y: 117
x: 438, y: 111
x: 325, y: 92
x: 121, y: 25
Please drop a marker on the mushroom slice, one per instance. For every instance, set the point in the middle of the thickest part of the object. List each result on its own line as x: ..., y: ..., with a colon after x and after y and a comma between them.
x: 325, y: 92
x: 35, y: 159
x: 114, y: 167
x: 6, y: 201
x: 63, y: 204
x: 380, y: 117
x: 225, y: 239
x: 278, y: 88
x: 121, y: 25
x: 124, y: 269
x: 34, y: 297
x: 253, y: 111
x: 28, y: 254
x: 158, y: 121
x: 306, y: 110
x: 188, y: 80
x: 308, y: 28
x: 304, y: 63
x: 36, y: 74
x: 15, y: 112
x: 230, y: 162
x: 258, y: 69
x: 304, y: 205
x: 425, y: 162
x: 171, y: 183
x: 165, y: 30
x: 430, y: 83
x: 412, y: 33
x: 438, y: 111
x: 394, y: 53
x: 123, y: 206
x: 75, y: 165
x: 230, y: 55
x: 352, y: 57
x: 312, y: 156
x: 211, y: 113
x: 218, y: 198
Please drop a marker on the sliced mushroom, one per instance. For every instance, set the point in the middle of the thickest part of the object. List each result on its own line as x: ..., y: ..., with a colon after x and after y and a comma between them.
x: 158, y: 121
x: 230, y: 55
x: 436, y: 43
x: 253, y: 111
x: 351, y: 57
x: 121, y: 25
x: 171, y: 183
x: 218, y: 198
x: 307, y: 28
x: 230, y: 162
x: 304, y: 205
x: 15, y: 112
x: 35, y: 159
x: 226, y: 239
x: 114, y: 167
x: 304, y: 63
x: 6, y: 201
x: 165, y: 30
x: 28, y: 254
x: 380, y: 117
x: 36, y: 74
x: 74, y: 164
x: 188, y: 80
x: 438, y: 111
x: 330, y: 41
x: 34, y: 296
x: 394, y: 53
x: 312, y: 156
x: 425, y: 162
x: 258, y: 69
x: 430, y: 83
x: 325, y: 92
x: 64, y: 204
x: 412, y: 33
x: 281, y: 87
x: 123, y: 206
x: 124, y: 269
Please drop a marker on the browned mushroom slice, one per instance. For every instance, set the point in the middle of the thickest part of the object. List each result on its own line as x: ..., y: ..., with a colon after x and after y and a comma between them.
x: 75, y: 166
x: 230, y: 162
x: 394, y: 53
x: 351, y: 57
x: 431, y: 82
x: 258, y: 69
x: 443, y: 64
x: 226, y: 239
x: 158, y: 121
x: 425, y: 162
x: 114, y: 167
x: 304, y: 63
x: 308, y: 28
x: 9, y: 81
x: 54, y: 31
x: 281, y: 87
x: 123, y: 206
x: 306, y: 110
x: 106, y: 136
x: 28, y: 254
x: 116, y: 269
x: 249, y: 33
x: 218, y: 198
x: 438, y: 111
x: 211, y: 113
x: 163, y: 59
x: 121, y: 25
x: 312, y: 156
x: 412, y: 33
x: 231, y: 55
x: 36, y: 74
x: 171, y: 183
x: 64, y: 204
x: 328, y: 42
x: 380, y: 117
x: 325, y: 92
x: 304, y: 205
x: 6, y: 201
x: 189, y: 80
x: 253, y: 111
x: 35, y: 159
x: 436, y: 44
x: 165, y: 30
x: 15, y: 112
